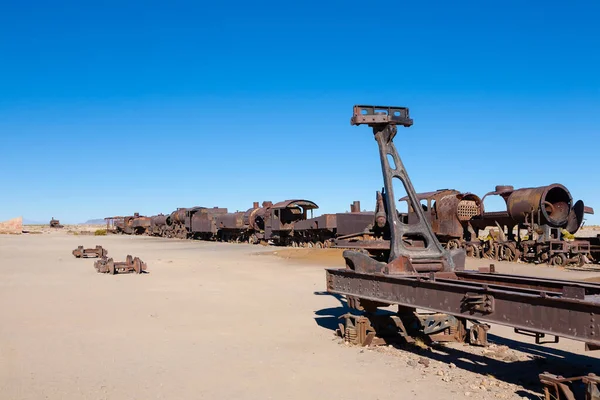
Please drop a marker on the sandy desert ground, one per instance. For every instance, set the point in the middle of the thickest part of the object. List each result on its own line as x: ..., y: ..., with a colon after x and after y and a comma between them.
x: 226, y: 321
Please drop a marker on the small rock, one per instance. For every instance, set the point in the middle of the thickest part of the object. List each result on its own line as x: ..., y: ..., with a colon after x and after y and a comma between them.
x: 362, y: 351
x: 446, y: 379
x: 424, y: 361
x: 468, y: 394
x: 440, y: 373
x: 412, y: 363
x: 452, y: 365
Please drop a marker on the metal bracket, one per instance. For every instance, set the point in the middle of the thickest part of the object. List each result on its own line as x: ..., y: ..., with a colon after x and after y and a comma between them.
x: 437, y: 322
x: 536, y: 335
x: 478, y: 334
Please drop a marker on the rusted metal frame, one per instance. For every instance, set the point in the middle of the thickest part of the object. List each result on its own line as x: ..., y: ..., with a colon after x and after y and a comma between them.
x: 556, y: 387
x: 433, y: 247
x: 559, y: 316
x: 384, y: 121
x: 540, y: 284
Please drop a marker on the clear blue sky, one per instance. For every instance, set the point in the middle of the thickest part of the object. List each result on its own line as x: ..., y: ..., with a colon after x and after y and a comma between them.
x: 147, y: 106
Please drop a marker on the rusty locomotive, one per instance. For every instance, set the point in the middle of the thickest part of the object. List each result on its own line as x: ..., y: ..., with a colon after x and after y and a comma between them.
x: 286, y: 223
x: 538, y: 225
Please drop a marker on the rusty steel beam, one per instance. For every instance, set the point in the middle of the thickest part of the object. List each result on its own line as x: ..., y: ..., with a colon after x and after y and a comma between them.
x: 568, y: 310
x: 80, y: 252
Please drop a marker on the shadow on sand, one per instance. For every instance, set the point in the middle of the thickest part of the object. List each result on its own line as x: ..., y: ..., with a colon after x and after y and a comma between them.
x: 523, y: 373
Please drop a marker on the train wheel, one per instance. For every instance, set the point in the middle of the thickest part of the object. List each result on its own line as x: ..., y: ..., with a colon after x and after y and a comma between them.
x: 327, y: 244
x: 452, y: 244
x: 490, y: 253
x: 294, y: 244
x: 509, y: 253
x: 310, y: 245
x: 253, y: 239
x: 111, y: 266
x: 319, y: 245
x: 559, y: 260
x: 472, y: 251
x: 137, y: 265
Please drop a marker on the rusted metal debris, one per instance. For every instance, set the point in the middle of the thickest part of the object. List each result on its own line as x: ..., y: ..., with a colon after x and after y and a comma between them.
x: 418, y: 272
x: 109, y: 266
x: 97, y: 252
x: 559, y: 388
x: 54, y: 223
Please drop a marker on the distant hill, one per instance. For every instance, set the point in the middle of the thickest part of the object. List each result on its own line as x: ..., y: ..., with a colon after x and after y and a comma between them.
x: 98, y: 221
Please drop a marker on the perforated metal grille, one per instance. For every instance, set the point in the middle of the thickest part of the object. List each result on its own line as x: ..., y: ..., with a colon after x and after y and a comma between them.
x: 467, y: 209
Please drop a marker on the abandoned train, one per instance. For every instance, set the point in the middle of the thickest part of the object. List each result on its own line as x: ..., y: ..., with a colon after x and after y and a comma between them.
x: 287, y: 223
x: 537, y: 225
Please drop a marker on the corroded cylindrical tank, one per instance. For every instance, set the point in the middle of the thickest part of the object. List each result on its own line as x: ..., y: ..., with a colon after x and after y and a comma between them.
x: 254, y: 218
x: 177, y: 217
x: 158, y: 220
x: 551, y: 204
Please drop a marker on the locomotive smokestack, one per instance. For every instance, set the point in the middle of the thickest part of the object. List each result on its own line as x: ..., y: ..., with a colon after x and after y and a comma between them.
x: 255, y: 204
x: 355, y: 207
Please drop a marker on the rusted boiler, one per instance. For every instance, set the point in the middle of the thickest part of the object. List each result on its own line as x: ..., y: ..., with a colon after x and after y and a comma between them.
x: 158, y: 225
